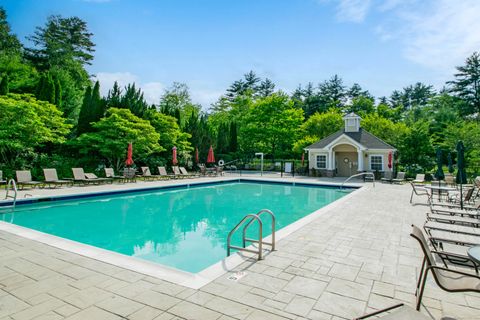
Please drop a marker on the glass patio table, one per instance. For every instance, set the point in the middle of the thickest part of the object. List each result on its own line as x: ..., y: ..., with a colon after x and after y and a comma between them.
x: 474, y: 253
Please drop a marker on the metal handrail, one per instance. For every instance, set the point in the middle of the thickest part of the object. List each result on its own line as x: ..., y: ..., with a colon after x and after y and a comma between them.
x: 260, y: 232
x: 259, y: 213
x: 357, y: 175
x: 12, y: 185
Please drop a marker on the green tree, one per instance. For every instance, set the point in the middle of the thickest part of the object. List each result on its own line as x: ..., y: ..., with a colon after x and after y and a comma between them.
x: 97, y: 103
x: 68, y: 93
x: 114, y: 97
x: 469, y: 133
x: 84, y: 123
x: 112, y: 135
x: 4, y: 87
x: 9, y: 43
x: 233, y: 139
x: 318, y: 126
x: 176, y: 101
x: 58, y: 93
x: 60, y: 42
x: 28, y: 123
x: 266, y: 88
x: 385, y: 129
x: 22, y: 77
x: 170, y: 133
x: 361, y: 105
x: 133, y: 100
x: 467, y: 84
x: 416, y: 149
x: 272, y: 125
x: 222, y: 139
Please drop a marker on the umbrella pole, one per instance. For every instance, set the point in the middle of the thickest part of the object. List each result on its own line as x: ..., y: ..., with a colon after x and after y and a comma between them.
x: 461, y: 196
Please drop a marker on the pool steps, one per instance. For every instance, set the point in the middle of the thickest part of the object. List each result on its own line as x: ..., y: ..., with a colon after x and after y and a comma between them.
x: 251, y: 218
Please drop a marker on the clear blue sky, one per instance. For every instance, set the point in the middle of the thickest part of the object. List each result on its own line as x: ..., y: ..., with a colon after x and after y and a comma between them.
x: 381, y: 44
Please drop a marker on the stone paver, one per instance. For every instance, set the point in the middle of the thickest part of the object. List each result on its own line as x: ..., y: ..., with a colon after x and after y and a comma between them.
x: 355, y: 258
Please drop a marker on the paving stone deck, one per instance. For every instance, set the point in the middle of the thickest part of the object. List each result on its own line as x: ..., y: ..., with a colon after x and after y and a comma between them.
x: 355, y: 258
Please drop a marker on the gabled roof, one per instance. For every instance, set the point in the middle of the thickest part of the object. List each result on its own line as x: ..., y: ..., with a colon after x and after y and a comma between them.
x: 363, y: 137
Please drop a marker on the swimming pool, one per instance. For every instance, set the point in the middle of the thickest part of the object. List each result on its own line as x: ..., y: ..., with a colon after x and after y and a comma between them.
x: 184, y: 228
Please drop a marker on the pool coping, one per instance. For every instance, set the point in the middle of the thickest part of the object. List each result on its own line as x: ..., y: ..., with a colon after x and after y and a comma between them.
x: 82, y: 195
x: 180, y: 277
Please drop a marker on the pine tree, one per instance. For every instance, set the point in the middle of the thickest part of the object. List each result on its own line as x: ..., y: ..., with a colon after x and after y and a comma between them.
x: 233, y: 140
x: 114, y: 97
x: 46, y: 88
x: 96, y: 104
x: 85, y: 111
x: 4, y: 85
x: 40, y: 85
x: 178, y: 115
x: 222, y: 139
x: 58, y: 93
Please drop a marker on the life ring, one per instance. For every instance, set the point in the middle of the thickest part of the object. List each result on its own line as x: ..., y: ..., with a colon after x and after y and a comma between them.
x: 221, y: 163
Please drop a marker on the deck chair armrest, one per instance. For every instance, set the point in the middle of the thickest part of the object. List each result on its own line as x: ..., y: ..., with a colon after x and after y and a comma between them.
x: 379, y: 311
x: 454, y: 271
x: 450, y: 254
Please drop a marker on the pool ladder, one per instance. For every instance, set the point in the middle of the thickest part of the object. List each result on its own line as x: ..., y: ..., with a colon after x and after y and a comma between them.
x: 247, y: 221
x: 11, y: 186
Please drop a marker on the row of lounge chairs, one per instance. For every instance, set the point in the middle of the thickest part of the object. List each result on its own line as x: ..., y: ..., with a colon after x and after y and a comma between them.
x: 449, y: 230
x: 446, y: 277
x: 80, y: 177
x: 401, y: 178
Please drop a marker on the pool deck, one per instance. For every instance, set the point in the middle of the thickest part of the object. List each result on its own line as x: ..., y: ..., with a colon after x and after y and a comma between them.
x: 354, y: 258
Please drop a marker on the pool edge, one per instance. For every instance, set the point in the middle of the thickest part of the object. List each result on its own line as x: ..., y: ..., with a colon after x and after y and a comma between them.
x: 180, y: 277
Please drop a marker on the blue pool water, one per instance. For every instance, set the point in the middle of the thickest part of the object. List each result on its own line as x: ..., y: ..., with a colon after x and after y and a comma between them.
x: 184, y: 228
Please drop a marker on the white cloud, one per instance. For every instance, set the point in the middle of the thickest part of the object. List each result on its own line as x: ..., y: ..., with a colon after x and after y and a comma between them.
x: 443, y: 35
x: 437, y: 34
x: 205, y: 97
x: 353, y: 10
x: 349, y: 10
x: 152, y: 91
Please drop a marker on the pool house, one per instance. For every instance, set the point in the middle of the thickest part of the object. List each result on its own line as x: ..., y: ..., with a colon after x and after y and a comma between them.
x: 349, y: 151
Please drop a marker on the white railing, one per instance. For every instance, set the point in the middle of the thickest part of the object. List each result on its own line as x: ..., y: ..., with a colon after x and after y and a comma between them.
x: 358, y: 175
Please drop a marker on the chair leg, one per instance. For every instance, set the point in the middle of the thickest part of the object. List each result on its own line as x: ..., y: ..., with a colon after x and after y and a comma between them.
x: 420, y: 275
x: 422, y: 288
x: 411, y: 197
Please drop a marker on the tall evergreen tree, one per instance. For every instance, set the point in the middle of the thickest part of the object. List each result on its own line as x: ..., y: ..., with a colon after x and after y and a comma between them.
x: 4, y: 85
x: 58, y: 93
x: 133, y: 99
x: 233, y: 139
x: 266, y: 88
x: 467, y: 84
x: 9, y: 43
x: 85, y: 113
x: 60, y: 42
x: 96, y: 104
x: 114, y: 97
x: 46, y: 88
x: 222, y: 139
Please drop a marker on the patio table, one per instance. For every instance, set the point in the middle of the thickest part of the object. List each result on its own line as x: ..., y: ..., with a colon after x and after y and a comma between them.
x: 439, y: 189
x: 474, y: 253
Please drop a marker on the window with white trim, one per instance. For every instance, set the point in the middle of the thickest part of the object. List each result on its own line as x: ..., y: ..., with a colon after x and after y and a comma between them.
x: 376, y: 162
x: 322, y: 161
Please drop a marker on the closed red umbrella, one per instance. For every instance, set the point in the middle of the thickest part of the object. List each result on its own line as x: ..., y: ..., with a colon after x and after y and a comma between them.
x: 196, y: 155
x: 210, y: 157
x: 303, y: 158
x: 129, y: 160
x: 174, y: 156
x: 390, y: 157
